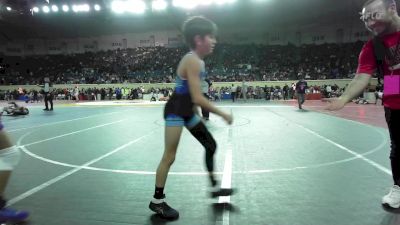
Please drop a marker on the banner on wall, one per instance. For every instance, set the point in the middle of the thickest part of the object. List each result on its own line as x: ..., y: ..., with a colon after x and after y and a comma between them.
x: 145, y: 43
x: 88, y: 47
x: 175, y: 41
x: 30, y: 47
x: 275, y: 37
x: 13, y: 50
x: 54, y: 48
x: 318, y: 38
x: 116, y: 44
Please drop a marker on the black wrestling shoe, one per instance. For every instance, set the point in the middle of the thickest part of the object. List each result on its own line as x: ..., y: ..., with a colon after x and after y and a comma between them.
x: 222, y: 192
x: 164, y: 210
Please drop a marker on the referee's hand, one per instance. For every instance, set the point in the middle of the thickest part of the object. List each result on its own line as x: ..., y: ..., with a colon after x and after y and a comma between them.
x: 228, y: 118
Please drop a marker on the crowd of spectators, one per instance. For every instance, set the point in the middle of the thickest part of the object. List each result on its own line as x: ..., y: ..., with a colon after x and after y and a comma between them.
x: 284, y: 92
x: 77, y: 94
x: 158, y: 64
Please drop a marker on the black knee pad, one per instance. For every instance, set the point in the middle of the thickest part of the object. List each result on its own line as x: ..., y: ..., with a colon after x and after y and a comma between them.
x: 201, y: 133
x: 210, y: 145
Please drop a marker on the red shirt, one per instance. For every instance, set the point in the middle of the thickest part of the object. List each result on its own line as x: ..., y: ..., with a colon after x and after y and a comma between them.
x: 367, y: 64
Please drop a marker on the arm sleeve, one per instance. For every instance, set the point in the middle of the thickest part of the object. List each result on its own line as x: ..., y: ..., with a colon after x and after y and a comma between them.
x: 366, y: 60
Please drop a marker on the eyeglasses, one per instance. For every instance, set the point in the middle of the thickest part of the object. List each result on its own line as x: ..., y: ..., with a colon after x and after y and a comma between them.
x: 365, y: 17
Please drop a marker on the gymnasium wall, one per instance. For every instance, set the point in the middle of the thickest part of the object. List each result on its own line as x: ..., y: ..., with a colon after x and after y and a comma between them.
x: 308, y: 34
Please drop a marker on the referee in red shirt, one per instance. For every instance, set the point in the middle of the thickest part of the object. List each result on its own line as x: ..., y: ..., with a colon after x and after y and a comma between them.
x: 381, y: 18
